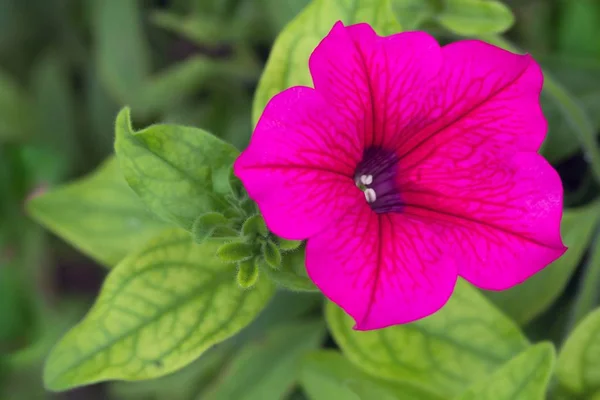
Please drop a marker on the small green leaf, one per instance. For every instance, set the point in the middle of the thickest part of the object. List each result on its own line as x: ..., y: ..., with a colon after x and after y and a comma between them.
x: 205, y: 225
x: 271, y: 254
x: 465, y: 341
x: 268, y: 368
x: 327, y: 375
x: 179, y: 172
x: 288, y: 245
x: 255, y: 226
x: 158, y: 310
x: 292, y: 273
x: 475, y: 17
x: 579, y: 359
x: 99, y: 214
x: 524, y: 377
x: 235, y: 251
x: 288, y: 62
x: 247, y: 274
x: 527, y: 300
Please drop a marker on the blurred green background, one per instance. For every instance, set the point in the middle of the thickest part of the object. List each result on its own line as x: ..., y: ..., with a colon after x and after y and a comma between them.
x: 67, y: 66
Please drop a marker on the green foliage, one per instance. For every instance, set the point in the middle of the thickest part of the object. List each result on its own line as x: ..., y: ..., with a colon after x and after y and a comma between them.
x: 526, y: 376
x: 292, y: 273
x: 255, y: 226
x: 529, y: 299
x: 247, y: 274
x: 206, y: 225
x: 271, y: 254
x: 579, y: 359
x: 159, y: 309
x: 99, y: 214
x: 235, y: 251
x: 288, y: 66
x: 475, y: 17
x: 177, y: 171
x: 15, y: 120
x: 460, y: 344
x: 268, y: 368
x: 328, y: 375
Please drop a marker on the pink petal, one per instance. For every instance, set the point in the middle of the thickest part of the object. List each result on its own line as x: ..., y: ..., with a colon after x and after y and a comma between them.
x: 484, y: 96
x: 467, y: 167
x: 373, y: 81
x: 503, y: 216
x: 299, y: 165
x: 382, y: 269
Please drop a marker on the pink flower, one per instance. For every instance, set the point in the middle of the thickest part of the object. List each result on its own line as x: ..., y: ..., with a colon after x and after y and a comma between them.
x: 408, y: 165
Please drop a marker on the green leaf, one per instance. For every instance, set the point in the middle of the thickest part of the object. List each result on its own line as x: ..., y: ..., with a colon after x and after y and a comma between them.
x: 99, y: 214
x: 527, y: 300
x: 206, y: 224
x: 158, y: 310
x: 247, y: 274
x: 235, y: 251
x: 15, y: 109
x: 475, y: 17
x: 179, y: 172
x: 271, y: 254
x: 327, y: 375
x: 292, y: 273
x: 181, y: 385
x: 412, y: 13
x: 288, y: 62
x: 587, y: 296
x: 579, y: 359
x: 123, y: 56
x: 524, y: 377
x: 465, y: 341
x: 268, y: 368
x: 255, y: 226
x: 288, y: 245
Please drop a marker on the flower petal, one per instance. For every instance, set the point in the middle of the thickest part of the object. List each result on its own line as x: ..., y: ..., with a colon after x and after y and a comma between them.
x: 484, y: 96
x: 299, y: 166
x: 502, y: 216
x: 382, y: 269
x: 372, y: 81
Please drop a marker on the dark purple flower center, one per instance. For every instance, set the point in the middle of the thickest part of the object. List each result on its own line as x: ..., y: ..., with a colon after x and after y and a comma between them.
x: 376, y: 176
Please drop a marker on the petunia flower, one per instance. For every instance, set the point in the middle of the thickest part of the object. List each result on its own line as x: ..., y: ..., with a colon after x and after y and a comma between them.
x: 407, y: 165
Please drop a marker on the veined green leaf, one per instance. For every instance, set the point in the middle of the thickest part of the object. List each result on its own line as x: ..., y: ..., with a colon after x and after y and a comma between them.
x: 158, y: 310
x: 465, y: 341
x: 327, y: 375
x: 99, y: 214
x: 267, y: 369
x: 527, y: 300
x: 179, y: 172
x: 475, y: 17
x: 288, y: 62
x: 524, y: 377
x: 579, y: 359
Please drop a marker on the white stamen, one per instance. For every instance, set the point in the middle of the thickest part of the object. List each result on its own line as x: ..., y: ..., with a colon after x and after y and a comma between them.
x: 370, y: 195
x: 366, y: 179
